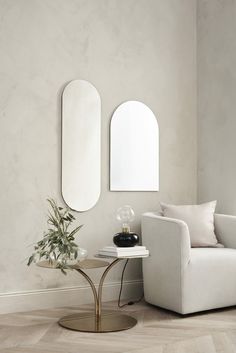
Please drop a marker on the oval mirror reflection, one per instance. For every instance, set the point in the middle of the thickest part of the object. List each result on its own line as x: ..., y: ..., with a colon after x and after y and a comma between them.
x: 81, y: 145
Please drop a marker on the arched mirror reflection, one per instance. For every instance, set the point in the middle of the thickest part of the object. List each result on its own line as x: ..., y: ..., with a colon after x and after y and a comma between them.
x: 134, y: 148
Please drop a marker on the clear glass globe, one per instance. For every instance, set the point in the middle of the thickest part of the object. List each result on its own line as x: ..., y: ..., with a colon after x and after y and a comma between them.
x: 125, y: 215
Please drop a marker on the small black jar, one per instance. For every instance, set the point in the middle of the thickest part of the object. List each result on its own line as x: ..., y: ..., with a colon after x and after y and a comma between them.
x: 123, y: 239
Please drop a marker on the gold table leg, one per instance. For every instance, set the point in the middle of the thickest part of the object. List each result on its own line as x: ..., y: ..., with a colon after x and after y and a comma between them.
x: 101, y: 321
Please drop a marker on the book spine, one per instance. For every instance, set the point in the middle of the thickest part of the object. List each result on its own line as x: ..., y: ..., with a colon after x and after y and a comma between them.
x: 114, y: 254
x: 128, y: 249
x: 121, y: 250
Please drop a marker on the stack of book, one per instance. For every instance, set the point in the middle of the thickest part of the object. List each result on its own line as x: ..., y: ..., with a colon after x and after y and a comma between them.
x: 114, y: 251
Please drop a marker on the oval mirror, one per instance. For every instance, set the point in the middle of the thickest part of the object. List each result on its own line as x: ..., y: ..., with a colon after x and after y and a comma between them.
x: 81, y: 145
x: 134, y: 148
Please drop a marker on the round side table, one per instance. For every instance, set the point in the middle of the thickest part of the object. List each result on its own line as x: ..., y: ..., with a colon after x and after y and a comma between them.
x: 100, y: 321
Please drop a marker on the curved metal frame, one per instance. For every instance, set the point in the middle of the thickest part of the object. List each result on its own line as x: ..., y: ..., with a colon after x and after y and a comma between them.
x: 93, y: 289
x: 98, y: 293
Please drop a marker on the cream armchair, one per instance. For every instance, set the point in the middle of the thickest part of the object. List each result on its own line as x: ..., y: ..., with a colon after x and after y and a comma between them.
x: 184, y: 279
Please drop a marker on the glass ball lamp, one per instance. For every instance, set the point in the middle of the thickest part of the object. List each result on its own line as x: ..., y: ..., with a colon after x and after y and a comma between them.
x: 125, y: 215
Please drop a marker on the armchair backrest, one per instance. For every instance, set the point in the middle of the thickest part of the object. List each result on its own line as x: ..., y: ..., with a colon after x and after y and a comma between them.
x: 225, y: 229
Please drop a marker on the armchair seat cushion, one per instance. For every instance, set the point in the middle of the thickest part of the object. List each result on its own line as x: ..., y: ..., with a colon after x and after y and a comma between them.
x: 210, y: 279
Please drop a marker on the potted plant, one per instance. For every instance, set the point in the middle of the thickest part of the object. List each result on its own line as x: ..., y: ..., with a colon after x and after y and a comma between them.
x: 58, y: 244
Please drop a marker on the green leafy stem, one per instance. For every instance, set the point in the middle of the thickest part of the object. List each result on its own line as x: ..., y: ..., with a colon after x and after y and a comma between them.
x: 58, y: 243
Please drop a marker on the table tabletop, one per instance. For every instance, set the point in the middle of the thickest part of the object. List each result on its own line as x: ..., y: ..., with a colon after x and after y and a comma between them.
x: 85, y: 264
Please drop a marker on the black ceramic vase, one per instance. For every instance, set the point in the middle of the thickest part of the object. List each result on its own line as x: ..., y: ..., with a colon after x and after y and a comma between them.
x: 126, y: 239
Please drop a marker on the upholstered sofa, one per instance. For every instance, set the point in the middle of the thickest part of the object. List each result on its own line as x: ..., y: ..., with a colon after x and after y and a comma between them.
x: 184, y: 279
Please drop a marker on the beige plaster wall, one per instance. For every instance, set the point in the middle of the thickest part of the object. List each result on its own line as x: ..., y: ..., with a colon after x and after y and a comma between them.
x: 129, y: 49
x: 216, y: 103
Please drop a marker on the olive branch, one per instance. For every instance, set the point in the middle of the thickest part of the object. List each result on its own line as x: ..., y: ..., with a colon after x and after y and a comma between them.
x: 58, y: 243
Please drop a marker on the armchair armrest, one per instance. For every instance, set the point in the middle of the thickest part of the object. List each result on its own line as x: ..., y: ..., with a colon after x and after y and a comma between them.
x: 166, y: 236
x: 168, y: 241
x: 225, y: 228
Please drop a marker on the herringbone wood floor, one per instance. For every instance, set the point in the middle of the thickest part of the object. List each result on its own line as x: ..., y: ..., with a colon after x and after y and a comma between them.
x: 157, y: 331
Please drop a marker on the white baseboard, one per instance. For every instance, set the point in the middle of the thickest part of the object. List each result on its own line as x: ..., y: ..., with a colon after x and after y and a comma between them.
x: 58, y: 297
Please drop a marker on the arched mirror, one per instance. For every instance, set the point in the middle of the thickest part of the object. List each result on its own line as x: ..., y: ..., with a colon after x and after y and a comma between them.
x: 81, y: 145
x: 134, y: 148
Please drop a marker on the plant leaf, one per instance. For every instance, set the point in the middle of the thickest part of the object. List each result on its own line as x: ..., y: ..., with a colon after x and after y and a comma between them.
x: 76, y: 230
x: 30, y: 260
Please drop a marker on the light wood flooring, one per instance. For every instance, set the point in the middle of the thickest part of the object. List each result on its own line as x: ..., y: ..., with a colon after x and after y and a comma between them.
x: 157, y: 331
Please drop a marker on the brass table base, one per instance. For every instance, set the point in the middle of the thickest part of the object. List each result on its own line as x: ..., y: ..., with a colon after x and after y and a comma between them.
x: 100, y: 321
x: 108, y: 322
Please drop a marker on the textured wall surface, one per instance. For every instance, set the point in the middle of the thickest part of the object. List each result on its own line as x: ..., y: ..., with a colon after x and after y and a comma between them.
x: 216, y: 103
x: 128, y: 49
